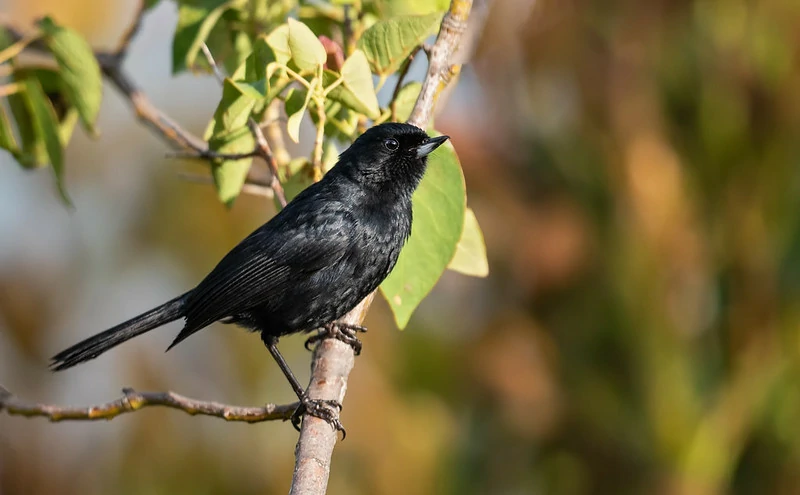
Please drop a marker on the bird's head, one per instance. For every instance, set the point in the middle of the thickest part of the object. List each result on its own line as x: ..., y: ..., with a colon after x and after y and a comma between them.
x: 391, y: 156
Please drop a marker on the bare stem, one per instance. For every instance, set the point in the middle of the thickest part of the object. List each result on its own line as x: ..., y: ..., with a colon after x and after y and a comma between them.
x: 133, y: 401
x: 318, y: 141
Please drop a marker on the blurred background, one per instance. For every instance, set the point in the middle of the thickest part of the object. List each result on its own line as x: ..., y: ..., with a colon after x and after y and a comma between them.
x: 635, y: 167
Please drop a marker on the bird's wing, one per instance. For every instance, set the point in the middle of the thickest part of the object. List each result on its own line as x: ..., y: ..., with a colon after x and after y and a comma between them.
x: 261, y: 268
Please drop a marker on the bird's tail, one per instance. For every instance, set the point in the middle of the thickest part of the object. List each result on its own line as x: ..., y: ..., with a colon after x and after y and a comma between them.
x: 100, y: 343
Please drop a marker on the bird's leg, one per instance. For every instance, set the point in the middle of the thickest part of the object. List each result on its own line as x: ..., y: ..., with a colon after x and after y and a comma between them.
x: 339, y: 331
x: 320, y: 408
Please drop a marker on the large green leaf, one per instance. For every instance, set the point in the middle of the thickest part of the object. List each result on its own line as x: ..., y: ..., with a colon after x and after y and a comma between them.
x: 387, y: 44
x: 78, y: 70
x: 439, y: 205
x: 357, y: 91
x: 45, y: 126
x: 470, y: 258
x: 307, y: 50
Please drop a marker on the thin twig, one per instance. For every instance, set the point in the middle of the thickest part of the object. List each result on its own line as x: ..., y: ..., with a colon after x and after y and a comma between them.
x: 210, y: 155
x: 264, y: 151
x: 332, y: 359
x: 127, y: 36
x: 401, y: 77
x: 262, y: 148
x: 274, y: 132
x: 319, y: 139
x: 146, y: 112
x: 250, y: 187
x: 133, y: 401
x: 210, y: 59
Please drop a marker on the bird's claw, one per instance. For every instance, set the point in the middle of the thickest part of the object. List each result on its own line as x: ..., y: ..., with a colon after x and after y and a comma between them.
x: 324, y: 409
x: 344, y: 332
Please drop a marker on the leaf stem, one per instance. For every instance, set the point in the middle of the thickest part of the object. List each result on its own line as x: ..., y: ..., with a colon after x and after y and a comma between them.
x: 15, y: 49
x: 319, y: 103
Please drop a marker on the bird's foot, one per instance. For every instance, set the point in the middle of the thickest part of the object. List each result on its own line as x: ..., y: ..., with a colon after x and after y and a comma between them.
x: 344, y: 332
x: 326, y: 410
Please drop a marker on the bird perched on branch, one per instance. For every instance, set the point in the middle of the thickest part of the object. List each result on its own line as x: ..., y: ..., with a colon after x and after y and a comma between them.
x: 309, y: 265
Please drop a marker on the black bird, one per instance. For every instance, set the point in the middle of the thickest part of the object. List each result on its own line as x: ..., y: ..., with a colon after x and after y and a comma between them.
x: 310, y: 264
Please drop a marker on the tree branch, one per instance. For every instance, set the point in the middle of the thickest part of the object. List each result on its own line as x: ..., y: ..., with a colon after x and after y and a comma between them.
x: 333, y: 360
x: 133, y: 401
x: 262, y: 148
x: 156, y: 120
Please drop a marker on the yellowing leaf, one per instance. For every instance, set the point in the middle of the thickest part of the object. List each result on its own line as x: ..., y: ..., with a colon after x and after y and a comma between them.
x: 470, y: 257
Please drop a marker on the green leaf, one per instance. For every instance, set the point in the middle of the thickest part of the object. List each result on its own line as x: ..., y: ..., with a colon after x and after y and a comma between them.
x: 33, y: 153
x: 470, y: 258
x: 255, y: 65
x: 387, y: 44
x: 192, y: 16
x: 405, y: 101
x: 230, y: 175
x: 204, y: 30
x: 307, y: 50
x: 356, y: 90
x: 234, y: 109
x: 7, y: 139
x: 296, y: 104
x: 278, y: 40
x: 78, y: 70
x: 438, y: 205
x: 45, y: 126
x: 67, y: 125
x: 149, y: 4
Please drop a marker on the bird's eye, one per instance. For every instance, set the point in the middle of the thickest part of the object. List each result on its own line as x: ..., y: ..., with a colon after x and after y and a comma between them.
x: 391, y: 144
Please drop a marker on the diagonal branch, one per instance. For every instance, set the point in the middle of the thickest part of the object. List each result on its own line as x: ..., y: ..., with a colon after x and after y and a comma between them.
x: 133, y: 401
x: 333, y: 360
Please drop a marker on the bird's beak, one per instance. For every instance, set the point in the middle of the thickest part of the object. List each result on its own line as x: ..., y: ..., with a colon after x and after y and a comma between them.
x: 429, y: 145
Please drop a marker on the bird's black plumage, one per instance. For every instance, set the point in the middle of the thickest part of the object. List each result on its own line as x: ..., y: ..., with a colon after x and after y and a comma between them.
x: 310, y: 264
